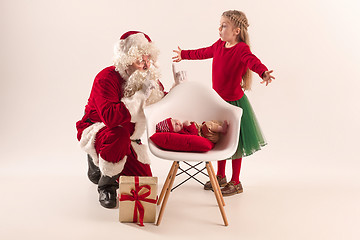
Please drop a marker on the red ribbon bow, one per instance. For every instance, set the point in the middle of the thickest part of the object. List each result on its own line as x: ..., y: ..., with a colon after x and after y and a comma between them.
x: 135, y: 196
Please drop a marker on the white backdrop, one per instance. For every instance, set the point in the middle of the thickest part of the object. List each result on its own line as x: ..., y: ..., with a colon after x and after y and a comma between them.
x: 52, y: 50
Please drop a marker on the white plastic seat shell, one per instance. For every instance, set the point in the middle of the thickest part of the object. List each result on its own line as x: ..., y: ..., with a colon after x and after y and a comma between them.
x: 194, y: 101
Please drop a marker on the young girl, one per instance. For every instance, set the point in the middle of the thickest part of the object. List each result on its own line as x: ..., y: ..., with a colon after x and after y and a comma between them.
x: 232, y: 62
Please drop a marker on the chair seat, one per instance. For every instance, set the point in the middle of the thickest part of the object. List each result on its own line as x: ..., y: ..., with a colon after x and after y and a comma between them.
x: 193, y: 101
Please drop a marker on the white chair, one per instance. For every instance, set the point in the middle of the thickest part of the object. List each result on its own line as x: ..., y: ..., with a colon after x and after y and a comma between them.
x: 194, y: 102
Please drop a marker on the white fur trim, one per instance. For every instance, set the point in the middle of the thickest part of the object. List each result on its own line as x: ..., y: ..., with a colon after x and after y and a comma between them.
x: 135, y: 105
x: 140, y: 127
x: 87, y: 141
x: 111, y: 169
x: 141, y: 152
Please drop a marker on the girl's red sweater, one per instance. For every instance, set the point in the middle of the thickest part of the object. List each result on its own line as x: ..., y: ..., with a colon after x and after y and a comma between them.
x: 228, y: 67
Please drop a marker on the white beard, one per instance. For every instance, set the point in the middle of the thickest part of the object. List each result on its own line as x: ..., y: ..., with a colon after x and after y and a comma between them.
x: 156, y: 95
x: 136, y: 81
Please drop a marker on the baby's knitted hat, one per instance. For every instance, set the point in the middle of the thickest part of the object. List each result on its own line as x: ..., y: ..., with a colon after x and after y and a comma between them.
x: 165, y: 126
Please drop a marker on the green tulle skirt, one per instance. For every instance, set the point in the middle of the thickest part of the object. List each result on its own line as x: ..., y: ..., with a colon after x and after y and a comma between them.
x: 251, y: 137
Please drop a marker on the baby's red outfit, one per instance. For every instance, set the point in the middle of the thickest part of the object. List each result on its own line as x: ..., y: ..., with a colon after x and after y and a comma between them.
x: 191, y: 129
x: 166, y: 126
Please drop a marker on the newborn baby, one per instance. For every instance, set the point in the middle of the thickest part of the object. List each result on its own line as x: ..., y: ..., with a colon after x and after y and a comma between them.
x: 208, y: 129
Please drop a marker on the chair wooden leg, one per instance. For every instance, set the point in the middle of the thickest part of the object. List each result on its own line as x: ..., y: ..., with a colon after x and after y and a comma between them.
x: 216, y: 188
x: 166, y: 184
x: 167, y: 193
x: 217, y: 184
x: 212, y: 179
x: 216, y: 192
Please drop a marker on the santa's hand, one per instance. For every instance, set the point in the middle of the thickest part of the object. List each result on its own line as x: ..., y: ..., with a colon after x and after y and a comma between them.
x: 179, y: 77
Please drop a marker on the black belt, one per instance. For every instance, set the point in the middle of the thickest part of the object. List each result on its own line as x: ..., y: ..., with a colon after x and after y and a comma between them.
x: 138, y: 141
x: 89, y: 121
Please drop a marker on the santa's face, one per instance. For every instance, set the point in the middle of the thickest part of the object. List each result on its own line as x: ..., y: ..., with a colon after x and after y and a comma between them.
x: 142, y: 64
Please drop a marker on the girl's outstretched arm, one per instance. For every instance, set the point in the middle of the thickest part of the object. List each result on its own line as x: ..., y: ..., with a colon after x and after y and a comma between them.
x: 195, y: 54
x: 177, y: 58
x: 267, y: 77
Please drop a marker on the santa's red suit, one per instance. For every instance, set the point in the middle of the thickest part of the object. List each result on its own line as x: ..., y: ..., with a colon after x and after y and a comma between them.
x: 113, y: 123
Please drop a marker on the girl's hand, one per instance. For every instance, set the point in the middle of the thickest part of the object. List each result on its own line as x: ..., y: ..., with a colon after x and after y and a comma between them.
x: 267, y: 77
x: 177, y: 58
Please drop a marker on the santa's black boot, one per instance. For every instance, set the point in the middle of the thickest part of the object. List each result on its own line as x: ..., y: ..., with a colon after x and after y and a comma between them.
x: 107, y: 190
x: 94, y: 173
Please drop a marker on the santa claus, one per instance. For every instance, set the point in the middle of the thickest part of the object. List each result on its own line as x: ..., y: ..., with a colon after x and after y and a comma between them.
x: 114, y: 120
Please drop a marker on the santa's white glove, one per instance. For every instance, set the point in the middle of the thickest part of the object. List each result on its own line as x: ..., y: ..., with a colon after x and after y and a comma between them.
x: 179, y: 77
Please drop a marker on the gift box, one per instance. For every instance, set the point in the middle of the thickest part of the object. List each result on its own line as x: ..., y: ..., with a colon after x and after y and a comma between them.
x: 137, y: 199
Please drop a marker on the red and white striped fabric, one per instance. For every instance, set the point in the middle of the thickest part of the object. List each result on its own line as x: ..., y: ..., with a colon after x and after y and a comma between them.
x: 165, y: 126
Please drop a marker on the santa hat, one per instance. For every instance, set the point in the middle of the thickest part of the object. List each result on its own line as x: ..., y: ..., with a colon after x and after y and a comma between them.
x: 165, y: 126
x: 132, y: 46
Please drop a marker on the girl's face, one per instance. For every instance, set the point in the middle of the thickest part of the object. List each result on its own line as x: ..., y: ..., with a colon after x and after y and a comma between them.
x: 227, y: 31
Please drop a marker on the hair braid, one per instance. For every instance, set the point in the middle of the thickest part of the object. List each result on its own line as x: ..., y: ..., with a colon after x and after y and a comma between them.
x: 239, y: 20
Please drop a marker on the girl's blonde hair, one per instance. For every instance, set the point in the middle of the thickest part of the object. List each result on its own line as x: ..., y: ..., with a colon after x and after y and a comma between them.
x: 239, y: 20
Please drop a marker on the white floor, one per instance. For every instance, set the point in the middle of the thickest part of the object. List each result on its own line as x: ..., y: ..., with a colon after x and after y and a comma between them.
x: 45, y: 199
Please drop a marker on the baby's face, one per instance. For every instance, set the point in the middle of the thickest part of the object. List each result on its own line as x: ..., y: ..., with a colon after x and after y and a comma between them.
x: 177, y: 125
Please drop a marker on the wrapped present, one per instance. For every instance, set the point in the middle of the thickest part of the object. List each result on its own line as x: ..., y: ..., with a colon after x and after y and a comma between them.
x: 137, y: 199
